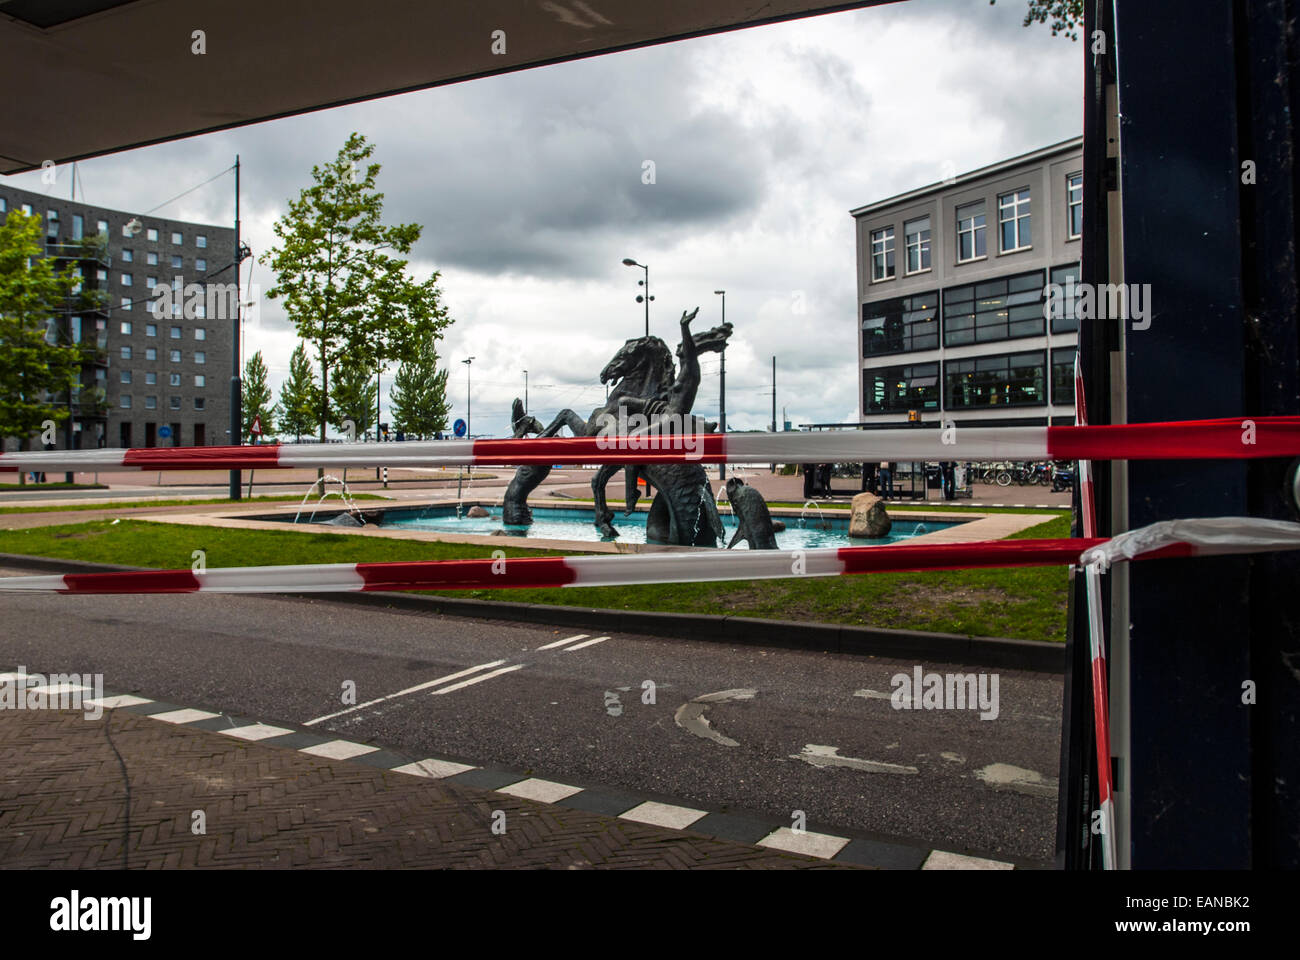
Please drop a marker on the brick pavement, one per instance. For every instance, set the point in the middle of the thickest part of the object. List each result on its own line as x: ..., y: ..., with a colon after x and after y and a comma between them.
x: 63, y: 798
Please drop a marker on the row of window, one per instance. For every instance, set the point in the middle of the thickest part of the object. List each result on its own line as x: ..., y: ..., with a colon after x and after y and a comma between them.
x: 151, y: 330
x: 1002, y: 309
x: 151, y: 378
x: 1008, y: 380
x: 1015, y: 231
x: 151, y: 353
x: 151, y: 403
x: 151, y: 260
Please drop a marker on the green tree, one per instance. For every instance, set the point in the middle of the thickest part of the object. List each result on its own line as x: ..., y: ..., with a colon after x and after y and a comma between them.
x: 353, y: 397
x: 347, y: 292
x: 299, y: 406
x: 419, y: 394
x: 256, y: 397
x: 37, y: 373
x: 1066, y: 16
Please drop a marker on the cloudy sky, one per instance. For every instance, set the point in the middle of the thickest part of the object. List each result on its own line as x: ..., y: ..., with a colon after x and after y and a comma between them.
x: 529, y: 189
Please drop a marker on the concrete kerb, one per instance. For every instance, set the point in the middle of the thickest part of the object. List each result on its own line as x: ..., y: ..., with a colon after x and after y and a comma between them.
x: 1032, y: 655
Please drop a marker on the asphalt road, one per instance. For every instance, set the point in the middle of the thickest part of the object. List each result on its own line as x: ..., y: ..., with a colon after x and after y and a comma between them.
x: 797, y: 731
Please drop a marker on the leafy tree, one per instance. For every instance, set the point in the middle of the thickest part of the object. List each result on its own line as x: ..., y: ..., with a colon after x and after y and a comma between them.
x: 35, y: 369
x: 256, y: 397
x: 353, y: 396
x: 341, y: 283
x: 419, y: 394
x: 1066, y: 15
x: 299, y: 405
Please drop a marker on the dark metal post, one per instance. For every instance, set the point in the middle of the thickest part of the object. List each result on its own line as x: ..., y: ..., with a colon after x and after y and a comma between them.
x: 236, y: 400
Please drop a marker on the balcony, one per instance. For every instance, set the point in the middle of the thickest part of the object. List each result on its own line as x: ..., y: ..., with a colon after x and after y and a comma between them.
x: 91, y: 250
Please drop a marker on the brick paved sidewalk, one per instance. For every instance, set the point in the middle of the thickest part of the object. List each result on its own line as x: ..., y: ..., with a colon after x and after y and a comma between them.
x: 63, y: 796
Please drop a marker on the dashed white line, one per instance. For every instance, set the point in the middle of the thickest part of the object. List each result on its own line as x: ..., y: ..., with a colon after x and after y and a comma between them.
x: 409, y: 690
x: 546, y: 791
x: 182, y: 716
x: 589, y: 643
x: 473, y: 680
x: 662, y: 815
x: 559, y: 643
x: 339, y: 750
x: 821, y: 845
x: 943, y: 860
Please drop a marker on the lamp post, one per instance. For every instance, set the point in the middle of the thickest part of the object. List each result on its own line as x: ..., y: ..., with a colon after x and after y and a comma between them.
x: 646, y: 298
x: 469, y: 413
x: 722, y: 386
x: 525, y: 391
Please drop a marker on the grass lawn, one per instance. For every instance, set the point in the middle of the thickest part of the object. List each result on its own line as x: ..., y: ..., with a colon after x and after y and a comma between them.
x: 144, y: 504
x: 53, y: 486
x: 1024, y: 603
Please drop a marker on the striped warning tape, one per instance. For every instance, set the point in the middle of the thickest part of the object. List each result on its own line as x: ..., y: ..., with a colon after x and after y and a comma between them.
x: 1180, y: 538
x: 1235, y: 438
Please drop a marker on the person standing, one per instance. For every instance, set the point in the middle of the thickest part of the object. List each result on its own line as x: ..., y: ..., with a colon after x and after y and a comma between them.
x: 948, y: 470
x: 886, y: 476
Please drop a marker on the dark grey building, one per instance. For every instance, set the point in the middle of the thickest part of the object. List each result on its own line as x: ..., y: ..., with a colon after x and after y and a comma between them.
x: 951, y: 294
x: 156, y: 358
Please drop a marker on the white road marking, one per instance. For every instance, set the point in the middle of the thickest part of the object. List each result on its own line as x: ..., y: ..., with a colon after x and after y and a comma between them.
x: 823, y: 756
x: 434, y: 769
x: 821, y: 845
x: 873, y: 694
x: 690, y: 715
x: 473, y: 680
x: 546, y: 791
x: 589, y: 643
x: 942, y: 860
x: 256, y: 731
x: 1004, y: 776
x: 402, y: 693
x: 338, y: 750
x: 122, y: 700
x: 560, y: 643
x: 182, y: 716
x: 663, y: 815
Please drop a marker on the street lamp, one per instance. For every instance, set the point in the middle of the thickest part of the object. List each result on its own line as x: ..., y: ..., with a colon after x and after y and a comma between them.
x: 469, y: 415
x: 722, y: 385
x: 525, y: 391
x: 629, y: 262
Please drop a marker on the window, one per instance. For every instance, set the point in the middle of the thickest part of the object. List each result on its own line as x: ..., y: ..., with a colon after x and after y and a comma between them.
x: 174, y: 402
x: 101, y: 226
x: 27, y: 209
x: 177, y: 239
x: 200, y: 313
x: 151, y: 329
x: 151, y: 403
x: 1064, y: 307
x: 175, y: 356
x: 1074, y: 206
x: 1013, y: 220
x: 126, y: 353
x: 150, y: 378
x: 200, y: 333
x: 201, y: 264
x: 882, y: 254
x: 175, y: 333
x: 200, y: 403
x: 200, y: 357
x: 151, y: 259
x: 175, y: 379
x: 101, y: 374
x: 1010, y: 380
x: 150, y: 282
x: 900, y: 325
x: 916, y: 240
x: 126, y: 376
x: 176, y: 308
x: 126, y: 303
x: 78, y: 226
x: 891, y: 389
x: 150, y: 353
x: 997, y: 310
x: 201, y: 241
x: 101, y: 276
x: 125, y: 401
x: 4, y: 204
x: 200, y: 380
x: 971, y: 243
x: 128, y: 256
x: 52, y: 223
x: 126, y: 279
x: 126, y: 326
x: 176, y: 263
x: 1063, y: 376
x: 152, y: 235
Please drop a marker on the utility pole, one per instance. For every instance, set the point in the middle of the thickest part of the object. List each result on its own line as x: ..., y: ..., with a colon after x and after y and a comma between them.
x: 525, y: 391
x: 774, y: 402
x: 469, y: 413
x: 722, y: 387
x: 236, y: 400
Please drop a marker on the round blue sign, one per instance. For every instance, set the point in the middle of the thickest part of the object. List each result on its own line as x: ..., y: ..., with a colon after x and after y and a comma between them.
x: 459, y: 428
x: 164, y: 432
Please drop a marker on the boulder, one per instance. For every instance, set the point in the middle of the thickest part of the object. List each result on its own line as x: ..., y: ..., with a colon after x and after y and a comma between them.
x: 477, y: 511
x: 867, y: 517
x: 778, y: 526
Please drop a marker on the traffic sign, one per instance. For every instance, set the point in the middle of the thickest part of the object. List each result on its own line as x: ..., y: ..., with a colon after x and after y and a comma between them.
x: 256, y: 428
x: 459, y: 428
x: 164, y: 431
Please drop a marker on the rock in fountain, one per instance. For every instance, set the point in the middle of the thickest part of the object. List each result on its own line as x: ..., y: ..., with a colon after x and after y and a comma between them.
x: 867, y: 517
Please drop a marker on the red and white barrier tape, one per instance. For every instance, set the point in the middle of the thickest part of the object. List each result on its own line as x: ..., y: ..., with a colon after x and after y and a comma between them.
x: 1236, y: 438
x: 1187, y: 539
